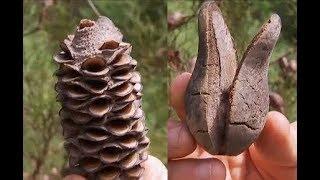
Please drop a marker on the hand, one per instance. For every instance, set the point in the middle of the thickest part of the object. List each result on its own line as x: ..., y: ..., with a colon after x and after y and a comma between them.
x: 272, y: 156
x: 154, y: 170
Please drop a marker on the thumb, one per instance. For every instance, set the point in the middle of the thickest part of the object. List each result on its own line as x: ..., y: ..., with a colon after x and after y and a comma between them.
x: 275, y: 150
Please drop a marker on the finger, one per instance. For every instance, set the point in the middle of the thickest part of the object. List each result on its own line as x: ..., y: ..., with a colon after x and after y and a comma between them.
x: 180, y: 141
x: 200, y: 153
x: 74, y: 177
x: 201, y: 169
x: 276, y: 146
x: 277, y: 141
x: 177, y: 92
x: 154, y: 169
x: 293, y: 131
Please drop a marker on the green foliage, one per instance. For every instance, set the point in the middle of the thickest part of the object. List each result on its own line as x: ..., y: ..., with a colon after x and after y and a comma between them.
x: 139, y: 22
x: 41, y: 125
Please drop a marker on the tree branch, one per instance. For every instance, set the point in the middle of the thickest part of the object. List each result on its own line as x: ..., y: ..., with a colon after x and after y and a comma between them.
x: 94, y: 8
x: 43, y: 14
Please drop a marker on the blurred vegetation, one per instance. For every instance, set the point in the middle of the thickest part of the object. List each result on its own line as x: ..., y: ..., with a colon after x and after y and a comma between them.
x: 46, y: 23
x: 244, y: 18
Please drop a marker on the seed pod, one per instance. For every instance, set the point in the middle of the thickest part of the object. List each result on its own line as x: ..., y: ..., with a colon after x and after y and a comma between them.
x: 226, y: 105
x: 100, y: 93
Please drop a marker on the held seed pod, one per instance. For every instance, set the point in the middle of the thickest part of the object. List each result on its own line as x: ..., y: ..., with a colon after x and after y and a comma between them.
x: 100, y: 93
x: 226, y: 103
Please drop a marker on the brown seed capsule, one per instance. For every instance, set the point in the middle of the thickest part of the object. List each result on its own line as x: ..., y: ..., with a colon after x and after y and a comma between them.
x: 225, y: 104
x: 100, y: 93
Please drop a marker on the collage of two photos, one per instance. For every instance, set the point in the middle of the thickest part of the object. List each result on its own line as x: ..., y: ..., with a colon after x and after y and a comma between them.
x: 159, y: 89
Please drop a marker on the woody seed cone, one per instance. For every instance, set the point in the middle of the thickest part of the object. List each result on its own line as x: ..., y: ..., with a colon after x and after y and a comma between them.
x: 100, y: 94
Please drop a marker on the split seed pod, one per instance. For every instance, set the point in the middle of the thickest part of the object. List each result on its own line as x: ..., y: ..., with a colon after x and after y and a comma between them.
x: 226, y: 103
x: 100, y: 93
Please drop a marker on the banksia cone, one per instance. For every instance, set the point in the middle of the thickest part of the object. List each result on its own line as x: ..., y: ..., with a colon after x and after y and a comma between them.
x: 100, y: 93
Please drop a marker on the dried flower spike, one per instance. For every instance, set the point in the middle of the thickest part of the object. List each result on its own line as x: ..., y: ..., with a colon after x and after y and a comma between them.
x: 225, y: 103
x: 100, y: 93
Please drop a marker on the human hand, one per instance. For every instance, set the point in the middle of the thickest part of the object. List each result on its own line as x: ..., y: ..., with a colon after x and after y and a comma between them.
x: 154, y: 170
x: 272, y: 156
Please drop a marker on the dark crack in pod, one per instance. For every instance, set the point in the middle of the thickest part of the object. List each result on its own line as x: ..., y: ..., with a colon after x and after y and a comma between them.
x: 100, y: 94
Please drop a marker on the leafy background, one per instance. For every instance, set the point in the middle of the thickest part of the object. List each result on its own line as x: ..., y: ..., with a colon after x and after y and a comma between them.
x: 46, y: 23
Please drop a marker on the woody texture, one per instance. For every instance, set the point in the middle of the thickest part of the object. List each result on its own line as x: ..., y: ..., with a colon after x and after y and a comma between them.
x: 100, y: 94
x: 226, y: 101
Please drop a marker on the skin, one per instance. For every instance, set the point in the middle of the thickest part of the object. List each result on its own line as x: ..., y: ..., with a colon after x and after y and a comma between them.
x: 272, y: 156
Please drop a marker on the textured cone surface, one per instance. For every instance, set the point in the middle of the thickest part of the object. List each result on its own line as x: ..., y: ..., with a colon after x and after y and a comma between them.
x: 100, y: 93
